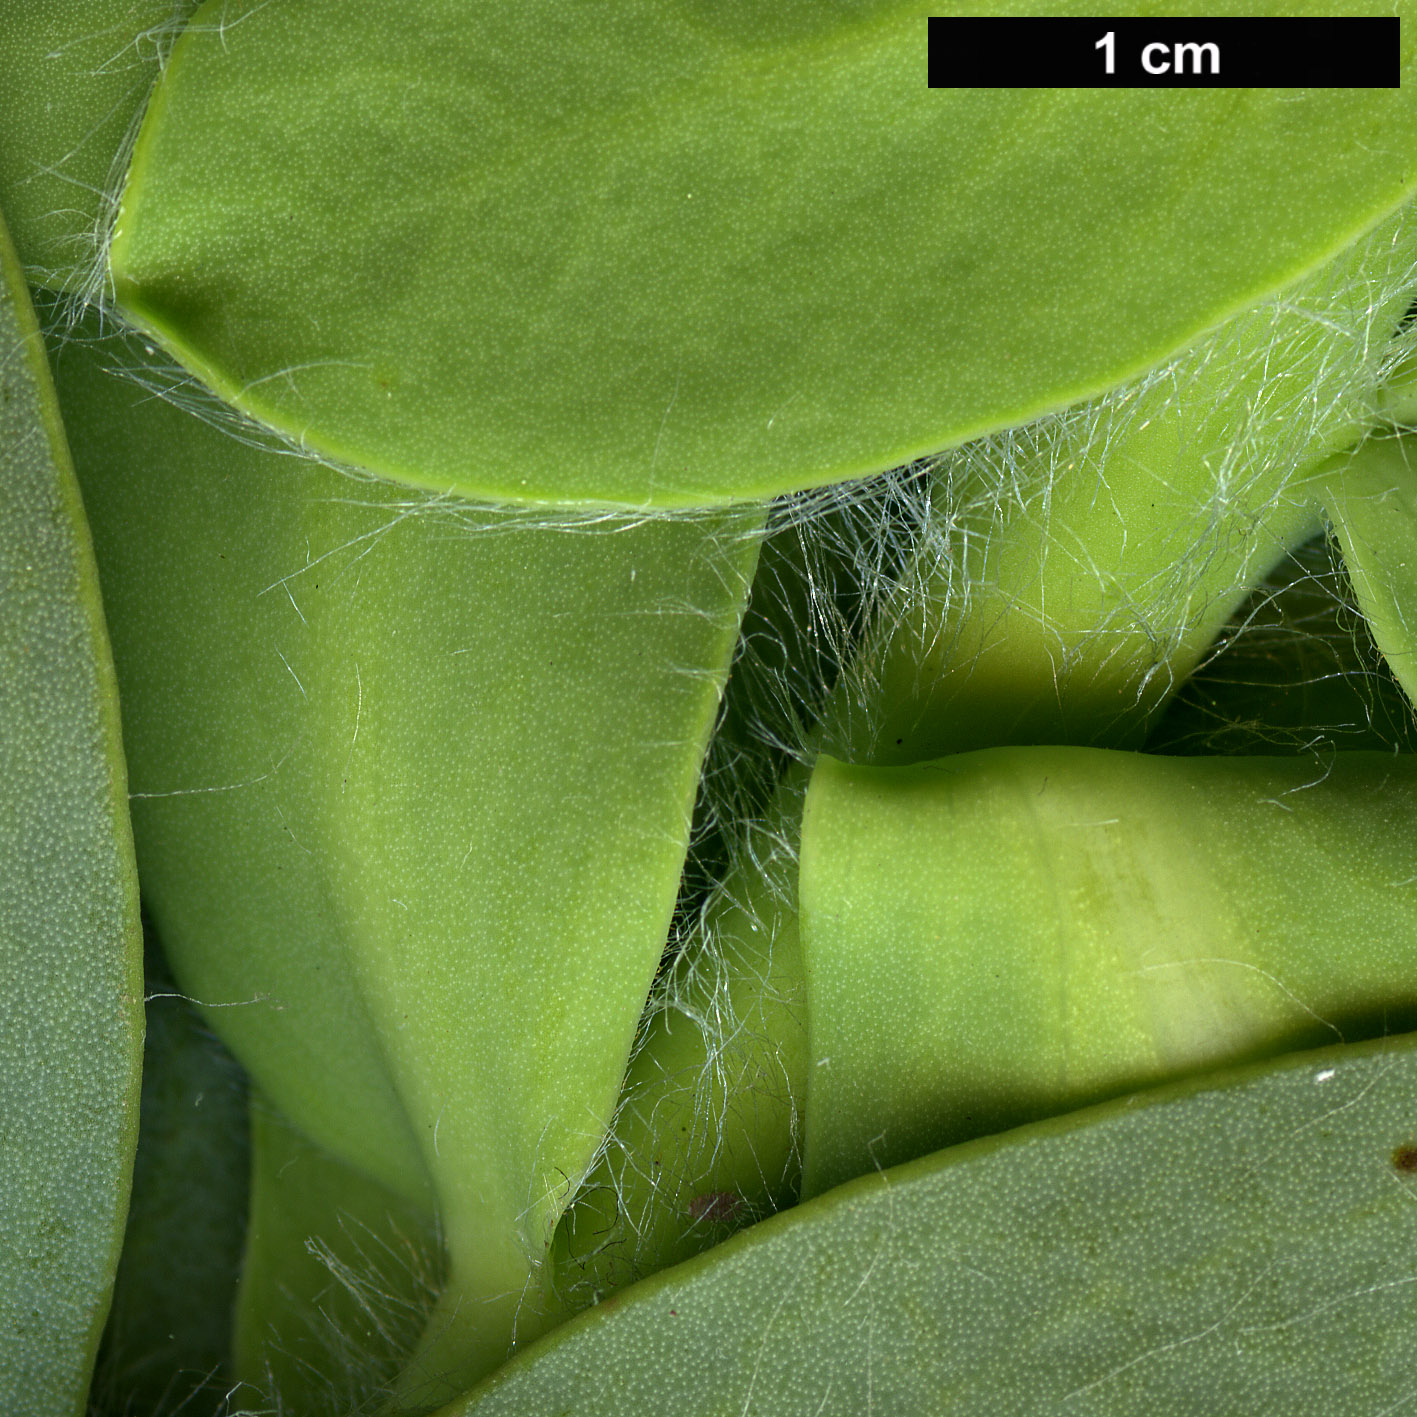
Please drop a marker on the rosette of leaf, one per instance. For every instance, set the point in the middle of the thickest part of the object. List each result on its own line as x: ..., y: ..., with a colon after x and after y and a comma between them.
x: 413, y: 773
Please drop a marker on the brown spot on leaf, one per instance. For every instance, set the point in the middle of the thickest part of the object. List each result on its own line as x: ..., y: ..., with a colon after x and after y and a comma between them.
x: 715, y: 1206
x: 1404, y: 1158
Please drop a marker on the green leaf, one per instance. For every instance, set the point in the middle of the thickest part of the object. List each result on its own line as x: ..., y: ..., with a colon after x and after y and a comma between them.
x: 74, y: 76
x: 1234, y: 1244
x: 1078, y: 569
x: 1371, y: 500
x: 338, y: 1279
x: 1004, y: 935
x: 71, y: 1010
x: 670, y: 252
x: 413, y: 782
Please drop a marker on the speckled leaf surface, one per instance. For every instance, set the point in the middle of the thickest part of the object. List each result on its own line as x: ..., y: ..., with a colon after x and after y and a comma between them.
x: 1236, y: 1244
x: 677, y: 252
x: 412, y: 791
x: 71, y: 1011
x: 74, y: 76
x: 1003, y: 935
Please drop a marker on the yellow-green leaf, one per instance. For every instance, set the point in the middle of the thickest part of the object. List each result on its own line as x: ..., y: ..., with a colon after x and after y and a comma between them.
x: 1003, y: 935
x: 412, y: 783
x: 670, y: 252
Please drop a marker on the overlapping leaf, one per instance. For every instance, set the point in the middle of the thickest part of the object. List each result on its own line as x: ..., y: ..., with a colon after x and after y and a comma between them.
x: 1236, y: 1244
x: 74, y: 77
x: 413, y: 783
x: 1009, y: 934
x: 71, y: 1011
x: 661, y: 251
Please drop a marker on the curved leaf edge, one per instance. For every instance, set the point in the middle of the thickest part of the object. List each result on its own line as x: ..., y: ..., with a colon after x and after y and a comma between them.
x: 850, y: 1193
x: 12, y: 282
x: 132, y: 306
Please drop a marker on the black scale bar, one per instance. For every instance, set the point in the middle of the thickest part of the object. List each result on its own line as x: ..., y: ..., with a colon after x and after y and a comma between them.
x: 1228, y: 53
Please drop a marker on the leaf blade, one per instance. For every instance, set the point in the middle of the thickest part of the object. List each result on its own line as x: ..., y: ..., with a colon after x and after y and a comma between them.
x: 647, y: 259
x: 1212, y: 1246
x: 413, y: 786
x: 1007, y: 934
x: 71, y: 1012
